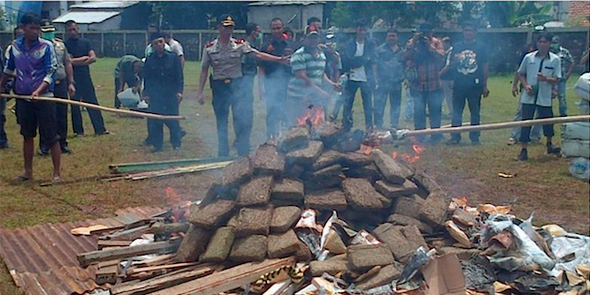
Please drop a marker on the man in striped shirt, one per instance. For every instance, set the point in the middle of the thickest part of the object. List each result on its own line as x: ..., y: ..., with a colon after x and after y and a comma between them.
x: 308, y: 64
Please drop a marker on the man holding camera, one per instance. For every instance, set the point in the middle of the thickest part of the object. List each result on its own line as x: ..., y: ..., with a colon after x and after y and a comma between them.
x: 426, y: 55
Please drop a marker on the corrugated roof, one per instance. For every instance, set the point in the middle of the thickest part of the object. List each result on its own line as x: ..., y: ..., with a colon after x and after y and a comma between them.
x: 277, y: 3
x: 42, y: 259
x: 104, y: 5
x: 86, y: 17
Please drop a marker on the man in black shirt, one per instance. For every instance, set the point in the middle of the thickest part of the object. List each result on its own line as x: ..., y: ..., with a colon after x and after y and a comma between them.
x: 275, y: 77
x: 470, y: 63
x: 82, y: 56
x: 164, y: 83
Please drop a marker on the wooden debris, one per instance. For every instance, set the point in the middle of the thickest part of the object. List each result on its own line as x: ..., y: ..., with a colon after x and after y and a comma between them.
x: 108, y: 243
x: 87, y: 258
x: 227, y: 279
x: 159, y: 283
x: 169, y: 228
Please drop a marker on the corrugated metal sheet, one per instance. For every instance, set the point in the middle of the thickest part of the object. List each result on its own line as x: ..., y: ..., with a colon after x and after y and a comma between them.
x: 104, y: 5
x: 86, y: 17
x: 42, y: 259
x: 286, y: 2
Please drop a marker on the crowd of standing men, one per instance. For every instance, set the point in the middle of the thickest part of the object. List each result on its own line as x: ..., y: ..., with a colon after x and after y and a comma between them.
x: 294, y: 78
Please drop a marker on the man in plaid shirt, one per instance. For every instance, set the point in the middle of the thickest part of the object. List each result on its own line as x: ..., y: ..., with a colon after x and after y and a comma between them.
x: 426, y: 56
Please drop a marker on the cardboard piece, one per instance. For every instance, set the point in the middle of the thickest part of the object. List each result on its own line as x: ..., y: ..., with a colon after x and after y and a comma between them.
x: 444, y: 276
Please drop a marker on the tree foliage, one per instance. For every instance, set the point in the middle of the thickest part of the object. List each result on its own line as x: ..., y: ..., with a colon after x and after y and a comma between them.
x: 409, y: 13
x: 195, y: 15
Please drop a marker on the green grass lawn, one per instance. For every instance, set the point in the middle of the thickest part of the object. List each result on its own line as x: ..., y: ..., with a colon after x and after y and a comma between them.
x: 542, y: 185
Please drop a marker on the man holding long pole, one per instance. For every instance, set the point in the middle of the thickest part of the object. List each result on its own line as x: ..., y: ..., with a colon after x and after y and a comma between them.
x: 32, y: 60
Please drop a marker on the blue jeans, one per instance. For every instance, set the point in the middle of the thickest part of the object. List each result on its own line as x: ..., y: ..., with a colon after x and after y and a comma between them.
x: 561, y: 97
x: 409, y: 116
x: 394, y: 92
x: 367, y: 95
x: 432, y: 100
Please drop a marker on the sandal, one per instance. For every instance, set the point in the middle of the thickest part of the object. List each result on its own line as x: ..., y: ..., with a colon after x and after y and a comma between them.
x: 21, y: 179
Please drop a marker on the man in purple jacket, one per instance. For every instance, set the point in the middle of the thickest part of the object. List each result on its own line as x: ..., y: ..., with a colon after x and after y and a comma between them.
x: 33, y: 62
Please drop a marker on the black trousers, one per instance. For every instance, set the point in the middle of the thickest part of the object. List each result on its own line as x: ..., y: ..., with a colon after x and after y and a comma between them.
x: 367, y: 95
x: 528, y: 113
x: 3, y: 138
x: 85, y: 93
x: 61, y: 113
x: 229, y: 94
x: 164, y: 106
x: 472, y: 97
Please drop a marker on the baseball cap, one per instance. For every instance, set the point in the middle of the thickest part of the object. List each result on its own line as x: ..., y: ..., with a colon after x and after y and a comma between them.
x: 311, y: 30
x: 47, y: 26
x: 226, y: 20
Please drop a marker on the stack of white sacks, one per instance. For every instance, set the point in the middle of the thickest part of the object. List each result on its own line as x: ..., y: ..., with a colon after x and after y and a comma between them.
x: 576, y: 136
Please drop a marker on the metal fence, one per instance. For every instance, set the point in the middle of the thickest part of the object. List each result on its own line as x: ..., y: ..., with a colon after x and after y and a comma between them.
x: 505, y: 44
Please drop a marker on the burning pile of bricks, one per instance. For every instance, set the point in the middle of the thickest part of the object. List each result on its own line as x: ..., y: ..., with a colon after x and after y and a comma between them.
x: 259, y: 208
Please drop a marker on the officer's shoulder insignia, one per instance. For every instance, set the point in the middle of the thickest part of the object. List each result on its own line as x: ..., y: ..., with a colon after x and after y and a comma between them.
x: 210, y: 44
x: 240, y: 41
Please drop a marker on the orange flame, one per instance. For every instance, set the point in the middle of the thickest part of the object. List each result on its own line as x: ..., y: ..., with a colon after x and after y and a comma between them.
x: 366, y: 149
x: 179, y: 207
x: 417, y: 150
x: 314, y: 115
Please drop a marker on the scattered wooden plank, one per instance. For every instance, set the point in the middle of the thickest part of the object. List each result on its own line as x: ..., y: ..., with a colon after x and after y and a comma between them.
x: 159, y: 267
x: 86, y: 231
x: 228, y: 279
x: 158, y: 260
x: 157, y: 165
x: 86, y: 259
x: 109, y: 243
x: 158, y: 283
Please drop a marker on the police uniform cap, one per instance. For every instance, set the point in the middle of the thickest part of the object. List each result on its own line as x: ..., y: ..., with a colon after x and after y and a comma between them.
x: 226, y: 20
x: 47, y: 26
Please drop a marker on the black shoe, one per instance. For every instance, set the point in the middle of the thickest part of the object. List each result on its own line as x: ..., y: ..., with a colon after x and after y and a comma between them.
x: 553, y: 150
x: 524, y: 155
x: 43, y: 152
x: 146, y: 142
x: 453, y: 141
x: 65, y: 150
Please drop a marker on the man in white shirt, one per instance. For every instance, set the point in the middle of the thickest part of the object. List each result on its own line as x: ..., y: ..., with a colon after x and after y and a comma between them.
x: 539, y: 72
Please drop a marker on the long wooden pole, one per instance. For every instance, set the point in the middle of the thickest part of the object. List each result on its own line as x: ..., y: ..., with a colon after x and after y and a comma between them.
x: 495, y: 126
x: 96, y: 107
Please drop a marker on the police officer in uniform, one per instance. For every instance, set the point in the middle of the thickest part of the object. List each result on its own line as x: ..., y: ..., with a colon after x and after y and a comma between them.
x: 64, y: 85
x: 224, y: 55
